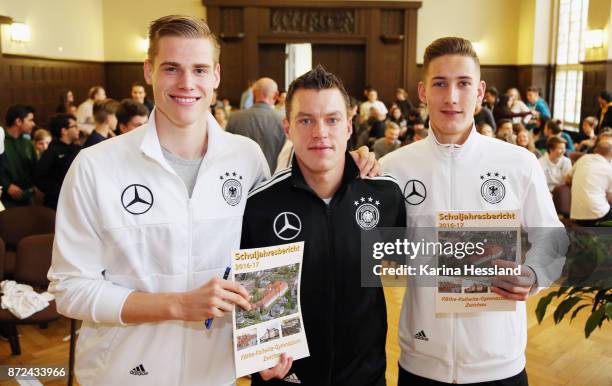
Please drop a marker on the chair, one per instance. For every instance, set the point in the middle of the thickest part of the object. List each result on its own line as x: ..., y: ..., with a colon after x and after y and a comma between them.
x: 562, y: 198
x: 33, y: 262
x: 17, y: 223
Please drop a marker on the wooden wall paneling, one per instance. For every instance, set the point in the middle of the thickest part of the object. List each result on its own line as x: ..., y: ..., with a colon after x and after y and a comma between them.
x: 597, y: 77
x: 540, y: 76
x: 341, y: 23
x: 374, y: 68
x: 392, y: 50
x: 347, y: 62
x: 233, y: 82
x: 29, y: 80
x: 411, y: 74
x: 250, y: 64
x: 272, y: 63
x: 121, y: 75
x: 501, y: 77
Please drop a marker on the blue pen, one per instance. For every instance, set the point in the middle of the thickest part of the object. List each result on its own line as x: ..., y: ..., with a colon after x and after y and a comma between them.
x: 208, y: 322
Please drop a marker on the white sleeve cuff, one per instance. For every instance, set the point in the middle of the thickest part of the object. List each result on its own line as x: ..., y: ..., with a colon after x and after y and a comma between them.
x: 109, y: 303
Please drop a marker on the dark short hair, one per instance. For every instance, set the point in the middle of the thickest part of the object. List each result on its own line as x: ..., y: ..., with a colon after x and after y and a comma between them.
x: 128, y: 109
x: 315, y: 79
x: 102, y: 109
x: 137, y: 84
x: 553, y: 142
x: 15, y: 112
x: 449, y: 46
x: 533, y: 89
x: 58, y: 122
x: 554, y: 126
x: 492, y: 90
x: 606, y: 95
x: 421, y: 133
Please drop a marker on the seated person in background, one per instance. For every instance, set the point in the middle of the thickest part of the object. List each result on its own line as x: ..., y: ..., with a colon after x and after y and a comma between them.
x: 130, y: 114
x: 66, y: 102
x: 139, y: 94
x: 396, y: 116
x: 220, y: 116
x: 41, y: 141
x: 586, y: 138
x: 518, y: 106
x: 84, y: 113
x: 484, y: 115
x: 552, y: 128
x: 502, y: 110
x: 227, y: 107
x: 554, y: 163
x: 490, y: 98
x: 390, y: 141
x: 106, y: 121
x: 280, y: 102
x: 485, y: 129
x: 419, y: 134
x: 19, y: 158
x: 365, y: 110
x: 402, y: 101
x: 505, y: 131
x: 518, y: 126
x: 55, y: 162
x: 376, y: 125
x: 605, y: 113
x: 524, y: 139
x: 591, y: 180
x: 540, y: 113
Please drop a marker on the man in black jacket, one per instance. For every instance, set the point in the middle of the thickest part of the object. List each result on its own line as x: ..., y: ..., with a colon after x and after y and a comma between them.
x: 56, y: 160
x: 322, y: 201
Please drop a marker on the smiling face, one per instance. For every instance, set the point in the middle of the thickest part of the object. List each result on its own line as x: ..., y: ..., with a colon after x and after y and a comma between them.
x: 522, y: 138
x: 557, y: 152
x: 183, y: 75
x: 451, y: 89
x: 319, y: 129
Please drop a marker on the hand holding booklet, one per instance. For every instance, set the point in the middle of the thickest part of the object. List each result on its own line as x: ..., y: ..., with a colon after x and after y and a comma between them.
x: 274, y: 323
x: 466, y: 285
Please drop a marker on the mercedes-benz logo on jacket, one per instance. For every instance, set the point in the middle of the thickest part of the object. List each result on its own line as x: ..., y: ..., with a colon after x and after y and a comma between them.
x: 137, y: 199
x: 287, y: 225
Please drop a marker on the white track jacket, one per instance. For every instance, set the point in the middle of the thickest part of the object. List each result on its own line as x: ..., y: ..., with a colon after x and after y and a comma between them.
x: 125, y: 222
x: 482, y: 346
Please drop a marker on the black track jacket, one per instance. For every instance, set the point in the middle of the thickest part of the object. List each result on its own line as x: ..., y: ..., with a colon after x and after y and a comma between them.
x: 345, y: 324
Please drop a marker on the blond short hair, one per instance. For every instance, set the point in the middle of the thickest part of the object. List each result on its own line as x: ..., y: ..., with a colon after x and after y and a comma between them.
x: 182, y: 26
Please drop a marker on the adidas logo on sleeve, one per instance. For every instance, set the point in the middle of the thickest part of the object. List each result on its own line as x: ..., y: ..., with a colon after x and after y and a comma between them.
x: 421, y: 335
x: 292, y: 378
x: 139, y: 370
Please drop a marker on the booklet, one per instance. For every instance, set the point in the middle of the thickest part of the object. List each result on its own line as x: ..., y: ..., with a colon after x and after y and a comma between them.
x: 486, y: 237
x: 274, y: 324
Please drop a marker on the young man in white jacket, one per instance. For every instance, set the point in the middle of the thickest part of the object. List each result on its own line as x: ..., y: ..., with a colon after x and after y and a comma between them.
x: 146, y: 223
x: 449, y: 171
x: 145, y: 226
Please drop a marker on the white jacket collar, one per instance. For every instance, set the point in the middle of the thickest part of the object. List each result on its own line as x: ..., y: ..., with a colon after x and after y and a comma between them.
x: 446, y: 150
x: 151, y: 146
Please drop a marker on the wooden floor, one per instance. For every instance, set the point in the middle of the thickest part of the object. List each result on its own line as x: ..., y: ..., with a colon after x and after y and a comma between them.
x: 556, y: 355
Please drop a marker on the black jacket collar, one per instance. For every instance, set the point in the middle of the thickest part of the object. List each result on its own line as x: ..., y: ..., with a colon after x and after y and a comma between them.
x: 351, y: 172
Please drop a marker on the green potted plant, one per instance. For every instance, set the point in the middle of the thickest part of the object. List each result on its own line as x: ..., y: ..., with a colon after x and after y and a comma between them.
x: 587, y: 284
